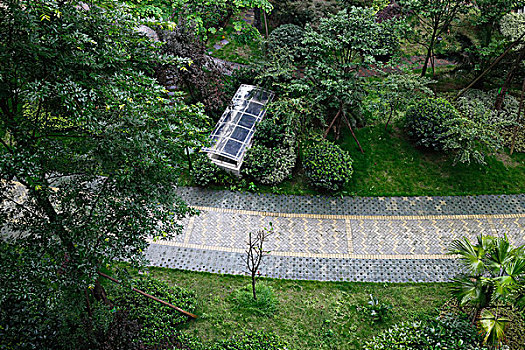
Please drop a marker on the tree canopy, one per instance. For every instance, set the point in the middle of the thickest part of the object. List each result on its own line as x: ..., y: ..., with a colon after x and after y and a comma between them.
x: 91, y: 147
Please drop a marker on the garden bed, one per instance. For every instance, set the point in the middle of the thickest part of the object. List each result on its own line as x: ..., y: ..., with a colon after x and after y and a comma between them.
x: 310, y: 315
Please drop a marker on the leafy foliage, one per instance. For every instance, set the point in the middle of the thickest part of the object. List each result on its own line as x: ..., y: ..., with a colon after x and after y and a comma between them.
x: 494, y: 275
x: 269, y: 166
x: 377, y: 310
x: 479, y: 107
x: 301, y: 12
x: 512, y: 26
x: 448, y: 333
x: 259, y: 340
x: 157, y: 320
x: 335, y: 51
x: 286, y: 37
x: 205, y: 172
x: 392, y: 95
x: 434, y: 18
x: 436, y: 124
x: 273, y: 155
x: 94, y: 156
x: 426, y: 122
x: 200, y: 76
x: 326, y: 165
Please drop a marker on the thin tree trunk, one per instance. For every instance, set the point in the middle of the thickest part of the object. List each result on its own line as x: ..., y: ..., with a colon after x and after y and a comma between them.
x: 353, y: 134
x: 338, y: 129
x: 518, y: 119
x: 508, y: 80
x: 88, y: 303
x: 433, y: 62
x: 332, y: 123
x: 429, y: 53
x: 265, y: 24
x: 389, y: 117
x: 253, y: 287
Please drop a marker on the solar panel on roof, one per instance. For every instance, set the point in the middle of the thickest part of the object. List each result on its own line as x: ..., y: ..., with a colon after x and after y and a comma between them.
x: 234, y: 132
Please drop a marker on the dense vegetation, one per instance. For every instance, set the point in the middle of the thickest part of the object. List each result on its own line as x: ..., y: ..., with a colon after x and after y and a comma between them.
x: 99, y: 123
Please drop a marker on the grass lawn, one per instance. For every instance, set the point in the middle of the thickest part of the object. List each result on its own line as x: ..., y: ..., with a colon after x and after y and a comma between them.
x: 234, y: 51
x: 311, y: 315
x: 392, y: 166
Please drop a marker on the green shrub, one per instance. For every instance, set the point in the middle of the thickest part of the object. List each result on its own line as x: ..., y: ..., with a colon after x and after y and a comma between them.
x: 157, y: 320
x: 276, y: 131
x: 448, y: 333
x: 268, y: 166
x: 259, y: 340
x: 204, y: 171
x: 426, y: 122
x: 479, y: 104
x: 327, y: 166
x: 265, y: 305
x: 286, y: 37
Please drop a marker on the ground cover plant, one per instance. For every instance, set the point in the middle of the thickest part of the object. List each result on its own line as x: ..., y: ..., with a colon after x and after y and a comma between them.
x: 309, y: 315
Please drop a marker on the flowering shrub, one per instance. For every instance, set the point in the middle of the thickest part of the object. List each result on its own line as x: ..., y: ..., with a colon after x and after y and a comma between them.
x: 327, y: 166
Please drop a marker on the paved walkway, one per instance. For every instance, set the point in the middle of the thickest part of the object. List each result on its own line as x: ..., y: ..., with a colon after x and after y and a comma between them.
x: 394, y: 239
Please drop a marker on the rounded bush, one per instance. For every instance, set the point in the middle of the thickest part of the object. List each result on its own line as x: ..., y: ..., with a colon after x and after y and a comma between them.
x: 327, y: 166
x: 286, y: 37
x: 426, y: 122
x: 268, y: 166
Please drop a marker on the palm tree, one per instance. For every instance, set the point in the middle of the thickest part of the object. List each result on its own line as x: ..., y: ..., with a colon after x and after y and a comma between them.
x: 494, y: 276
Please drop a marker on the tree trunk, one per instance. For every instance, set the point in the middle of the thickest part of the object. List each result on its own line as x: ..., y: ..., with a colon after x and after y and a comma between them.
x: 253, y: 287
x: 429, y: 54
x: 338, y: 129
x: 332, y: 123
x: 389, y: 117
x: 353, y: 134
x: 508, y: 80
x: 265, y: 24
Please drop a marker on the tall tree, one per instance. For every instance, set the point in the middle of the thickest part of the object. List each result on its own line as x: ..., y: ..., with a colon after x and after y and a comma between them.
x: 90, y: 149
x: 335, y: 53
x: 490, y: 12
x: 434, y: 20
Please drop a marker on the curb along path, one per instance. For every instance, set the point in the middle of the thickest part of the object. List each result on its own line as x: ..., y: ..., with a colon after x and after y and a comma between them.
x: 394, y: 239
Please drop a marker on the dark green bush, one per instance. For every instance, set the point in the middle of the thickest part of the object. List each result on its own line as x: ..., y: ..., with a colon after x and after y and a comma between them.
x: 260, y: 340
x: 268, y: 166
x: 157, y: 320
x: 426, y: 122
x: 286, y: 37
x: 204, y: 171
x: 276, y: 131
x: 448, y: 333
x: 327, y: 166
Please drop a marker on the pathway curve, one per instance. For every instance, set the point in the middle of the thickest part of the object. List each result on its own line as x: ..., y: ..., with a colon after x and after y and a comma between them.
x: 380, y: 239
